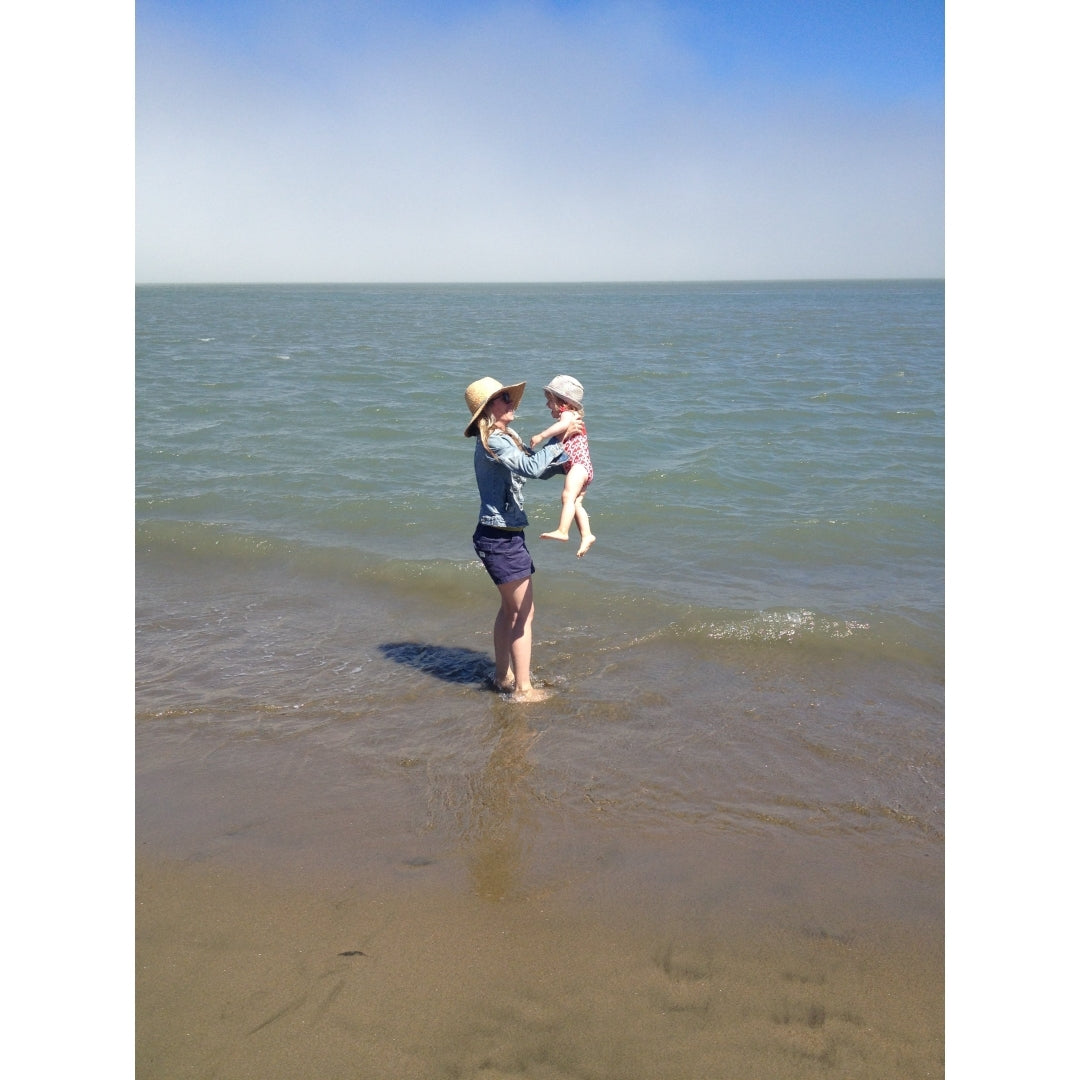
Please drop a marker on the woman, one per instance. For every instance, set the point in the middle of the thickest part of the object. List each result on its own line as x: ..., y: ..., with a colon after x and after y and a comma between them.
x: 502, y: 465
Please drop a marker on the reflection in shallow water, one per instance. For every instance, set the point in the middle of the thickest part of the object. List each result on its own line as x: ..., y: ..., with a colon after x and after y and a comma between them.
x: 498, y: 810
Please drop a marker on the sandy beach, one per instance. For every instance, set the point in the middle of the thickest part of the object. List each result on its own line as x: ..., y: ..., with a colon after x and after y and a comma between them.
x: 271, y: 943
x: 239, y: 976
x: 419, y: 879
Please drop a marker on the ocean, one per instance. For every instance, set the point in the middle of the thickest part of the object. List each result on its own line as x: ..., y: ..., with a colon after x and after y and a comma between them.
x: 748, y: 666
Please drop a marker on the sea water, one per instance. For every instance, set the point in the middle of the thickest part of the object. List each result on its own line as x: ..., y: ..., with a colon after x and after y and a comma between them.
x: 753, y: 647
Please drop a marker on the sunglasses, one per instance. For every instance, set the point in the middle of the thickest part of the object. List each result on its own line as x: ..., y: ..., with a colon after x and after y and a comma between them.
x: 505, y: 398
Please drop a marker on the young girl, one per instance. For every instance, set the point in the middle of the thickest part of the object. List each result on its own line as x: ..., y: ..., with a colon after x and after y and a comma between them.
x: 564, y: 396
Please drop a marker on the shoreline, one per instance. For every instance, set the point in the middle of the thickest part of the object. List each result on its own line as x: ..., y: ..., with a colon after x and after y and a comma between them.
x: 692, y: 862
x: 487, y: 822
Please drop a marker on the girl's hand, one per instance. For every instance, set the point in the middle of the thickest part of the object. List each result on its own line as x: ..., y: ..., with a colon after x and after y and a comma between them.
x: 536, y: 440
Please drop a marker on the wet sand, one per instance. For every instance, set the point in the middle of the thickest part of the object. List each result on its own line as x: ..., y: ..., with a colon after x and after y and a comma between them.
x: 243, y: 975
x: 286, y: 933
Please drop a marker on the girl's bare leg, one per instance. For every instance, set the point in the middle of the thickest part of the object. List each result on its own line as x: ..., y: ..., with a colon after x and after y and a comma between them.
x: 582, y: 519
x: 572, y: 488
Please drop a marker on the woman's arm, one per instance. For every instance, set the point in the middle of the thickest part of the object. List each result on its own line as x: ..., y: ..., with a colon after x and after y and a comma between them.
x: 527, y: 463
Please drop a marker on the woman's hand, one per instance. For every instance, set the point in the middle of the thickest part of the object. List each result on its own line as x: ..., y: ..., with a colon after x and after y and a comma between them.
x: 576, y: 428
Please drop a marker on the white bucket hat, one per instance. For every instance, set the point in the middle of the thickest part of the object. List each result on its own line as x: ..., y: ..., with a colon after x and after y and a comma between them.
x: 478, y: 394
x: 568, y: 388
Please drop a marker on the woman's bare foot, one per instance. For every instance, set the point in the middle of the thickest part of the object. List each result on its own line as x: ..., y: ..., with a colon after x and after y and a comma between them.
x: 556, y: 535
x: 586, y: 543
x: 533, y: 693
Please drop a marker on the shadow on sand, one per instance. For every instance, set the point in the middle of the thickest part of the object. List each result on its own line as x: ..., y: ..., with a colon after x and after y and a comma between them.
x: 451, y: 664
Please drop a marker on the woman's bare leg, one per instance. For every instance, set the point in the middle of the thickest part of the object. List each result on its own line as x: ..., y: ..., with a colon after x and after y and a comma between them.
x: 513, y: 639
x: 504, y: 673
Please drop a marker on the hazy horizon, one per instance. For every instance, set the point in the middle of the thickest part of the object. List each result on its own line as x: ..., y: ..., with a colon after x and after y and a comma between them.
x: 558, y: 281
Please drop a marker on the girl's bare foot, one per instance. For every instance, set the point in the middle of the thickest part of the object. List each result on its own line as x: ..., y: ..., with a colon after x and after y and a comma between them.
x: 586, y: 543
x: 556, y: 535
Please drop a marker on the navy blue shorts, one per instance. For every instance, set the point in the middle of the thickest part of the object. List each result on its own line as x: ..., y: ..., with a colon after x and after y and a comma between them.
x: 503, y: 553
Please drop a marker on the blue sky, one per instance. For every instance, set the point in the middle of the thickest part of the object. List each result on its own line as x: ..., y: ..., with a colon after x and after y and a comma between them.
x: 508, y: 140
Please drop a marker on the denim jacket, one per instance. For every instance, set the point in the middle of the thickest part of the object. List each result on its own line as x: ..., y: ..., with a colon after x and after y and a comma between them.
x: 500, y: 479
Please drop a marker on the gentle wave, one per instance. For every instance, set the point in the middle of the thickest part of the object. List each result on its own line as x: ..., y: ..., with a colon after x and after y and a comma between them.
x: 617, y: 618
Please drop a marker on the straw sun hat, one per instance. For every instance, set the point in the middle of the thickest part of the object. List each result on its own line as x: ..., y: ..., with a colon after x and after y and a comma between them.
x: 480, y: 393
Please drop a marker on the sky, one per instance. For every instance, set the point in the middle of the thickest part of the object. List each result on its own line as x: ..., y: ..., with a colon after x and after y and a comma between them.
x: 538, y: 140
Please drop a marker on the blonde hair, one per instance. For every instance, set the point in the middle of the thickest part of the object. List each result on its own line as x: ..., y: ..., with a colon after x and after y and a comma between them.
x: 484, y: 424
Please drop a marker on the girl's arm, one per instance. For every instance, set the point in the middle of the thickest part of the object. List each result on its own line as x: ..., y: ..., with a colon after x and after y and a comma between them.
x: 560, y: 427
